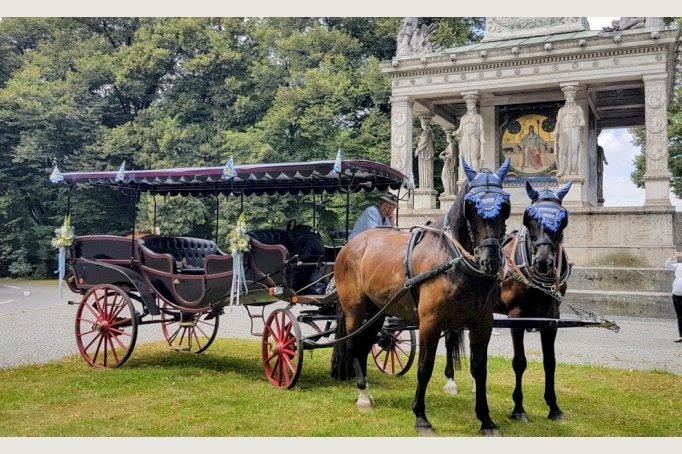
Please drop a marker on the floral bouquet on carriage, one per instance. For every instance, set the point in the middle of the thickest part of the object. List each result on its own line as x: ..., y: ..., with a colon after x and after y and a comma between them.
x: 63, y: 238
x: 239, y: 245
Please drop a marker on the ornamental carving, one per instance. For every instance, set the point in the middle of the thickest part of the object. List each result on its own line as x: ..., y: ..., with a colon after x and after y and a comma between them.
x: 655, y: 124
x: 399, y: 116
x: 655, y: 98
x: 500, y: 28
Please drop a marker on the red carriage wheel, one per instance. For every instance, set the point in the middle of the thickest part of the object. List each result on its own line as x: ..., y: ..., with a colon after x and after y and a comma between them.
x: 394, y: 351
x: 187, y: 332
x: 106, y: 326
x: 282, y: 349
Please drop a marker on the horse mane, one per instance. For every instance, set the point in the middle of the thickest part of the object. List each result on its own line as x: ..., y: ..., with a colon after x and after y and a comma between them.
x: 456, y: 220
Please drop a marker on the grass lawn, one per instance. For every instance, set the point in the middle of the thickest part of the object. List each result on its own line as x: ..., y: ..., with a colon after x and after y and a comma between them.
x: 223, y: 392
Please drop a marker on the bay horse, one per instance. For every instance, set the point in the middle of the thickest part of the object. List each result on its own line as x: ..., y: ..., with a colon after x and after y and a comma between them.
x: 456, y: 264
x: 532, y: 284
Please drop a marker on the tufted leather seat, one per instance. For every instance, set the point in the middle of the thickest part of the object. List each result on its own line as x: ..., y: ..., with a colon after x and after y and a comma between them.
x: 192, y: 250
x: 273, y: 236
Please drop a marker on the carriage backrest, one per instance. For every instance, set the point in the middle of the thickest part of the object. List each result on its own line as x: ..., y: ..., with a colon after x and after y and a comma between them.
x: 273, y: 236
x: 189, y: 251
x: 110, y: 248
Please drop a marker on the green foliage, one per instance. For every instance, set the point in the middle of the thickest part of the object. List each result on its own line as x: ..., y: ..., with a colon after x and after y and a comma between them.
x: 89, y: 93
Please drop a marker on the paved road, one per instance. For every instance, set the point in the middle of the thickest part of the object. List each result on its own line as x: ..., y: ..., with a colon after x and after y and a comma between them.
x: 37, y: 328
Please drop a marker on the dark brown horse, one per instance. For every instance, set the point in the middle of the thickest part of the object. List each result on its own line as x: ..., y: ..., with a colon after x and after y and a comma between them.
x: 459, y: 260
x: 531, y: 286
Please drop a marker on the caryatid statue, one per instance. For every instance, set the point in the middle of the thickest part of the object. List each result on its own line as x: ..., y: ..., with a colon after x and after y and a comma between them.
x: 450, y: 165
x: 470, y: 133
x: 568, y: 134
x: 425, y: 153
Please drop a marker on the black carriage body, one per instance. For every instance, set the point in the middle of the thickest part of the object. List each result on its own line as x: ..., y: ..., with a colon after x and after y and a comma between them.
x: 187, y: 281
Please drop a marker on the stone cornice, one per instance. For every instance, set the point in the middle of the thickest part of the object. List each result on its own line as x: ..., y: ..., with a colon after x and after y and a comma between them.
x: 435, y: 67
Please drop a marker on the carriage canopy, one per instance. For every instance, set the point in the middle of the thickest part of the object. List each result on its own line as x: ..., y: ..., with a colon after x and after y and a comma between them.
x: 251, y: 179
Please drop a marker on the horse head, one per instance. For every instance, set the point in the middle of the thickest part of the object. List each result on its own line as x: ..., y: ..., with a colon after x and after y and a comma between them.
x: 486, y: 208
x: 545, y: 220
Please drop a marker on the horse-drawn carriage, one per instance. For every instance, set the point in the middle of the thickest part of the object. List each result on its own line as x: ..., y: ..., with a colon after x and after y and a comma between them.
x: 184, y: 283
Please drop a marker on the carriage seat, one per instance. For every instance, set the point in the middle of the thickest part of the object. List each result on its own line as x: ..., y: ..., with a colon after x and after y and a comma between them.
x: 273, y: 236
x: 188, y: 253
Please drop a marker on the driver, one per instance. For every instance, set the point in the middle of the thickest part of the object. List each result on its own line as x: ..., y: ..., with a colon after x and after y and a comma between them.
x: 380, y: 215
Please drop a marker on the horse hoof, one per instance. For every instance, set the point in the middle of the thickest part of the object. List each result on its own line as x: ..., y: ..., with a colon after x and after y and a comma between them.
x: 558, y: 417
x: 424, y: 428
x: 425, y: 431
x: 365, y: 404
x: 519, y: 417
x: 450, y: 388
x: 490, y: 432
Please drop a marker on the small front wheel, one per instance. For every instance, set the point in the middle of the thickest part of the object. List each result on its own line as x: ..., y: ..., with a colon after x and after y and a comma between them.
x: 188, y: 332
x: 282, y: 349
x: 106, y: 326
x: 394, y: 351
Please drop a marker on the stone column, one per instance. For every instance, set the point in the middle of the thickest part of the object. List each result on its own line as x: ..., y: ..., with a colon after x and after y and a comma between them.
x: 577, y: 195
x: 471, y: 96
x: 657, y: 176
x: 401, y: 139
x: 425, y: 195
x: 446, y: 199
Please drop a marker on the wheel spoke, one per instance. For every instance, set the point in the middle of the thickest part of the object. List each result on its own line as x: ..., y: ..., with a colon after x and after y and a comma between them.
x: 98, y: 336
x: 122, y: 322
x: 99, y: 344
x: 113, y: 350
x: 397, y: 357
x: 119, y: 332
x: 90, y: 322
x: 172, y: 337
x: 95, y: 313
x: 385, y: 360
x: 196, y: 337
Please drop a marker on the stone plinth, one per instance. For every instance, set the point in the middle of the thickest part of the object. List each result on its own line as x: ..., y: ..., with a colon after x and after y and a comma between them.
x: 610, y: 236
x: 446, y: 201
x: 424, y: 199
x: 657, y: 190
x: 574, y: 198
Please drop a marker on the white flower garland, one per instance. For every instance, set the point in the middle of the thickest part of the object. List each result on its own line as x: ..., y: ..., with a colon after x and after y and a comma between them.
x: 239, y: 245
x: 63, y: 238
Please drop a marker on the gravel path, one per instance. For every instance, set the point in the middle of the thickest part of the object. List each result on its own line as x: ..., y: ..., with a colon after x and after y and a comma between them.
x: 37, y: 329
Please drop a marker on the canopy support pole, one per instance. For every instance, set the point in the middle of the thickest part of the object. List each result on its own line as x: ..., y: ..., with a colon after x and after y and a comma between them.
x: 217, y: 215
x: 132, y: 241
x: 68, y: 201
x: 314, y: 211
x: 347, y: 212
x: 154, y: 221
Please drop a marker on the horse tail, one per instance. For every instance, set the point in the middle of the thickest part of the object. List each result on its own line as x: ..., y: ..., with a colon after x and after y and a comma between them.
x: 342, y: 360
x: 454, y: 341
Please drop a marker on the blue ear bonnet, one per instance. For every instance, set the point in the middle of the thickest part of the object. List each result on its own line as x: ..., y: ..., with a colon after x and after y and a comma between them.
x: 548, y: 212
x: 485, y: 192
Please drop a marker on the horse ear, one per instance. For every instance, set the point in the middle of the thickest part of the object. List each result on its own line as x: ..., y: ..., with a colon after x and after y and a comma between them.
x: 470, y: 173
x: 502, y: 171
x: 532, y: 193
x: 563, y: 191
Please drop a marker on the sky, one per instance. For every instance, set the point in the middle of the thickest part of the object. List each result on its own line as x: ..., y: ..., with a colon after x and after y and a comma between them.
x: 619, y: 190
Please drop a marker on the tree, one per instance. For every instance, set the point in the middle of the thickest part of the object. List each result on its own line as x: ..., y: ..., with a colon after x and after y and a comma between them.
x: 89, y: 93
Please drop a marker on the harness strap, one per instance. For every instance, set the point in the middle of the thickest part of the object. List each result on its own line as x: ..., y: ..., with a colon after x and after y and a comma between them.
x: 511, y: 262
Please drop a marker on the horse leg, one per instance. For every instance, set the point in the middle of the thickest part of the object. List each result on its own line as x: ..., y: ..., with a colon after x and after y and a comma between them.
x: 547, y: 338
x: 479, y: 337
x: 519, y: 364
x: 360, y: 348
x: 428, y: 342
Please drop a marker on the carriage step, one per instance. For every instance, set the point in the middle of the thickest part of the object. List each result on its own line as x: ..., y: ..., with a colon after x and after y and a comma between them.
x: 179, y: 349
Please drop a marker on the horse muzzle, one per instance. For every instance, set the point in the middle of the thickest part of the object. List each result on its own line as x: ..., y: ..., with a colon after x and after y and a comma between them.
x: 490, y: 261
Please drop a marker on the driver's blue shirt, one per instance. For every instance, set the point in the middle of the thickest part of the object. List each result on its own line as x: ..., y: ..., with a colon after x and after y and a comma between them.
x: 369, y: 219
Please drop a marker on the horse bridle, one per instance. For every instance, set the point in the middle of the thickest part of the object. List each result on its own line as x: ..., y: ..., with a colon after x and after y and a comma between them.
x: 488, y: 200
x: 556, y: 245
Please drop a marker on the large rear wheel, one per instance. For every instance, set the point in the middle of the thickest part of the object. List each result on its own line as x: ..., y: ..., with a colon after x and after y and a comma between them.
x: 186, y: 332
x: 282, y: 349
x: 106, y: 326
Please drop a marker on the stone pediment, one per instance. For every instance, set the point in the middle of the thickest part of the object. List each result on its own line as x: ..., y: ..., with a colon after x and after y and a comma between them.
x: 504, y: 28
